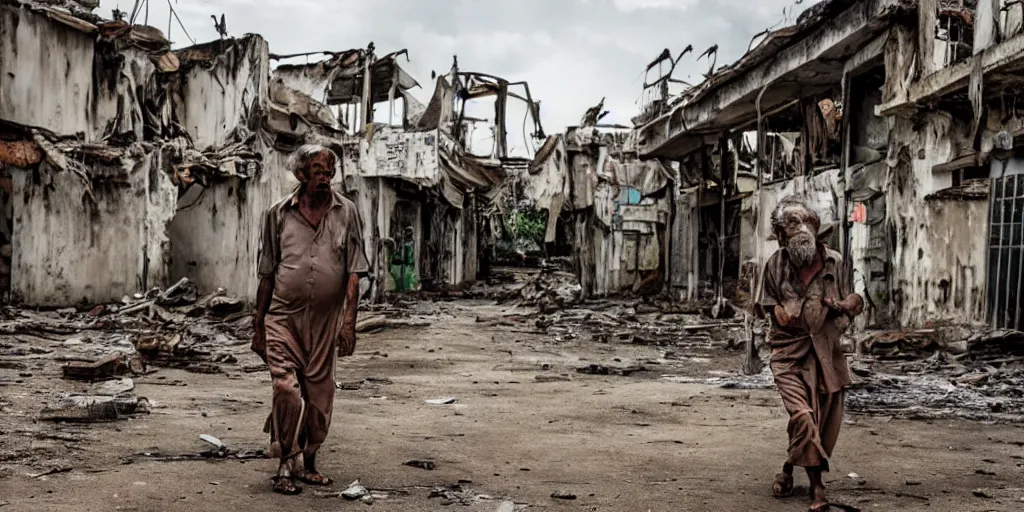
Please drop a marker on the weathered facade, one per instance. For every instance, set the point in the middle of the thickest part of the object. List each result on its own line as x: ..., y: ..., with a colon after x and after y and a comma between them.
x: 130, y: 165
x: 612, y: 208
x: 882, y: 114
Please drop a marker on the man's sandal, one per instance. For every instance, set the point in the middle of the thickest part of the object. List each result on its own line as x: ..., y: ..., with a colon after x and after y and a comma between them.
x: 314, y: 478
x: 783, y: 486
x: 285, y: 485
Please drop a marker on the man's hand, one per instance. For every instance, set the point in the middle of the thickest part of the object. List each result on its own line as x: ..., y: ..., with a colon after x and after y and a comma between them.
x: 783, y: 318
x: 259, y: 341
x: 347, y: 339
x: 852, y: 305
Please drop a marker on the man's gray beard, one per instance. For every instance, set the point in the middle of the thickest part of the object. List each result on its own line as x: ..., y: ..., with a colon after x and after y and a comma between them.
x: 802, y: 249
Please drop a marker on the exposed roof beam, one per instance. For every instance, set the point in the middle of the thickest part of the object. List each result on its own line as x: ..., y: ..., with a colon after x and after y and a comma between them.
x: 846, y: 29
x: 1008, y: 54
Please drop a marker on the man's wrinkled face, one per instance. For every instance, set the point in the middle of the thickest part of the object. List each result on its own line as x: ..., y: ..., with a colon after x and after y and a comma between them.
x: 320, y: 172
x: 799, y: 234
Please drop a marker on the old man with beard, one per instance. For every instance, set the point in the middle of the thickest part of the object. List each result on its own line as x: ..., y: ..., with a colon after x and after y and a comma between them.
x: 807, y: 296
x: 310, y: 263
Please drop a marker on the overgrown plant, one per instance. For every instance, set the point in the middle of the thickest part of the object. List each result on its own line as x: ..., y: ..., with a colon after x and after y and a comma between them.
x: 526, y: 227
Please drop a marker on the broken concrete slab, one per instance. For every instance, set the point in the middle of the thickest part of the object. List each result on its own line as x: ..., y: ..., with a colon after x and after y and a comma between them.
x: 111, y: 366
x: 93, y: 408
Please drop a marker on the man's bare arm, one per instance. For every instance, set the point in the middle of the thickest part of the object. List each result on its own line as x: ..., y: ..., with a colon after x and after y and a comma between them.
x: 352, y: 300
x: 347, y: 336
x: 264, y: 294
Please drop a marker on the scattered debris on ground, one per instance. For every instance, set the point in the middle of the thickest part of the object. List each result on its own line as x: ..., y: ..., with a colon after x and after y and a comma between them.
x: 457, y: 494
x: 73, y: 408
x: 940, y: 373
x: 428, y: 465
x: 355, y: 491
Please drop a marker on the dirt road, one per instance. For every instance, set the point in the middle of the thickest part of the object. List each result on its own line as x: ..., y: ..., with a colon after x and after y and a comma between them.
x: 525, y: 425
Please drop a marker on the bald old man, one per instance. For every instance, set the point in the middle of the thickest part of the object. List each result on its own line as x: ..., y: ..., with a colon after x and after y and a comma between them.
x: 807, y: 295
x: 309, y: 267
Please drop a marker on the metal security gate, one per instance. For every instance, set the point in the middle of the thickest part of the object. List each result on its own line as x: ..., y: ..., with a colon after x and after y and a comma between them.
x: 1006, y: 252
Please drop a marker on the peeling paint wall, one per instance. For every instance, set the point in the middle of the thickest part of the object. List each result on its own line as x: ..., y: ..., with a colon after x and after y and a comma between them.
x: 216, y: 231
x: 943, y: 275
x: 308, y: 80
x: 213, y: 102
x: 83, y: 80
x: 940, y: 250
x: 68, y: 250
x: 412, y: 156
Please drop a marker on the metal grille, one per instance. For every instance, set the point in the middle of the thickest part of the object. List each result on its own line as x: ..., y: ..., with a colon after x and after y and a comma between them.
x: 1006, y: 252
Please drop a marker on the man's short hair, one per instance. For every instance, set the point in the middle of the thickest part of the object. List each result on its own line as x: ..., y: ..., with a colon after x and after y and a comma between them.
x: 788, y: 202
x: 300, y: 159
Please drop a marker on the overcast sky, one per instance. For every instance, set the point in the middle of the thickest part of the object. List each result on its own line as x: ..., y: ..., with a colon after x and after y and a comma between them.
x: 572, y: 52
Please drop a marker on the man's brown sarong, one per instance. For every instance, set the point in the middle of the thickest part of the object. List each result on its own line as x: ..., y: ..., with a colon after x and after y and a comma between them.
x: 815, y: 415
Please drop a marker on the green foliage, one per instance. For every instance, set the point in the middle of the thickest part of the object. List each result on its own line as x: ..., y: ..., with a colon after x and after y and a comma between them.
x: 527, y: 226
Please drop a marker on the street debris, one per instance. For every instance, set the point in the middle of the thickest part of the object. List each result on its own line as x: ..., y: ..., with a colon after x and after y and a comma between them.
x: 355, y: 491
x: 941, y: 373
x: 216, y: 443
x: 107, y: 367
x: 507, y: 506
x: 93, y: 408
x: 52, y: 471
x: 457, y: 494
x: 217, y: 454
x: 376, y: 323
x: 552, y: 378
x: 441, y: 401
x: 355, y: 385
x: 114, y: 387
x: 598, y: 369
x: 563, y: 495
x: 422, y: 464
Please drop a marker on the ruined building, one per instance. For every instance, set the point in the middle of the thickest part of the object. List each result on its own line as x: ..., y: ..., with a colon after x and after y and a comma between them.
x: 127, y: 165
x: 898, y: 120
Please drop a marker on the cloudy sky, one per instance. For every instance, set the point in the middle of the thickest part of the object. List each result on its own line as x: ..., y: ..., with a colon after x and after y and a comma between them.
x: 572, y: 52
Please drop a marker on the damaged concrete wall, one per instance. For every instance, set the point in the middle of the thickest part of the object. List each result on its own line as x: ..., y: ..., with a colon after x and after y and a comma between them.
x: 89, y: 88
x: 216, y: 231
x: 225, y: 91
x: 69, y: 249
x: 313, y: 80
x: 940, y: 252
x: 392, y: 153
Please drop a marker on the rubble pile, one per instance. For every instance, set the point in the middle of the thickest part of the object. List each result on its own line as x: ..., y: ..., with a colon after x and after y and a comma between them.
x: 107, y: 344
x: 172, y: 328
x: 547, y: 302
x: 941, y: 373
x: 399, y: 312
x: 548, y: 289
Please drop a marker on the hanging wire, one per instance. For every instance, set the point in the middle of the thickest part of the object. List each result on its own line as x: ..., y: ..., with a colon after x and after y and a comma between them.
x: 182, y: 25
x: 135, y: 11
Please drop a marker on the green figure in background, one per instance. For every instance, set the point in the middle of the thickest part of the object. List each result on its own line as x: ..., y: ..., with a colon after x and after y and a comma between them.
x: 403, y: 263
